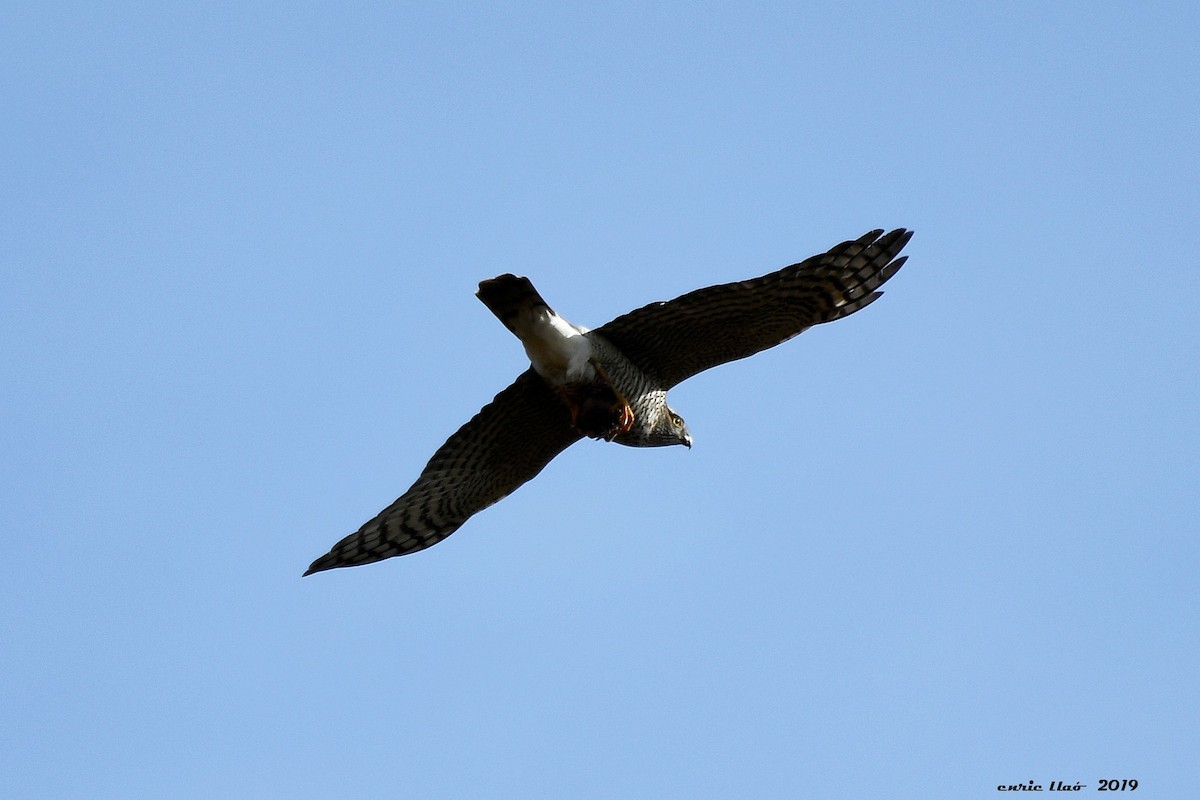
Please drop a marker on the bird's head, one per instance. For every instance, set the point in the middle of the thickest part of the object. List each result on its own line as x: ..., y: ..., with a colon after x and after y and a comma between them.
x: 668, y: 429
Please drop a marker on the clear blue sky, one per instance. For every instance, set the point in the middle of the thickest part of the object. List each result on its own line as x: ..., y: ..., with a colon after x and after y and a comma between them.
x: 941, y: 545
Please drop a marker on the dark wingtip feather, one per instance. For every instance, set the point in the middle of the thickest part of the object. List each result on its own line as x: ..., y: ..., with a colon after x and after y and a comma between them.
x: 902, y: 237
x: 327, y: 561
x: 893, y: 268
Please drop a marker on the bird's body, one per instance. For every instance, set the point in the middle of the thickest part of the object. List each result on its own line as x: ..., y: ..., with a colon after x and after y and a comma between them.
x: 610, y: 383
x: 559, y: 351
x: 608, y: 396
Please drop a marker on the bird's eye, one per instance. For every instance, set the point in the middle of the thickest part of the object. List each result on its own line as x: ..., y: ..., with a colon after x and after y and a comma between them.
x: 676, y: 420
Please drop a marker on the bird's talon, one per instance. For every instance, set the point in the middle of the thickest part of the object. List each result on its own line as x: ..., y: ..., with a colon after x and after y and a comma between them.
x: 624, y: 419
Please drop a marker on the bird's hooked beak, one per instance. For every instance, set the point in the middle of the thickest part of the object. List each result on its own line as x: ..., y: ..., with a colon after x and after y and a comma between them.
x: 687, y: 440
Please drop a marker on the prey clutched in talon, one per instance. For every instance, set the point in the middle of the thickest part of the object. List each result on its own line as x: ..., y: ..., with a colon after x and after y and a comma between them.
x: 598, y: 410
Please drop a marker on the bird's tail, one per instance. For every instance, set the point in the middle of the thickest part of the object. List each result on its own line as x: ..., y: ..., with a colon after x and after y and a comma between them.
x: 508, y: 296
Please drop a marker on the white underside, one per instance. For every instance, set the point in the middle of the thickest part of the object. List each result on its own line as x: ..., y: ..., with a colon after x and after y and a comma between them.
x: 558, y: 350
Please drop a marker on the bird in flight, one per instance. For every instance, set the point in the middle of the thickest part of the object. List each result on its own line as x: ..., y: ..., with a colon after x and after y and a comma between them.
x: 610, y: 383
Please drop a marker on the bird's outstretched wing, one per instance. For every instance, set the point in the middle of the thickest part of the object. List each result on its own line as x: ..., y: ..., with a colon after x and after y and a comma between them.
x: 677, y: 339
x: 502, y: 447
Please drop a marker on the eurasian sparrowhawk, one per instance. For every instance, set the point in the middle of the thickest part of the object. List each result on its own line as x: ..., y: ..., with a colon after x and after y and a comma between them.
x: 609, y: 383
